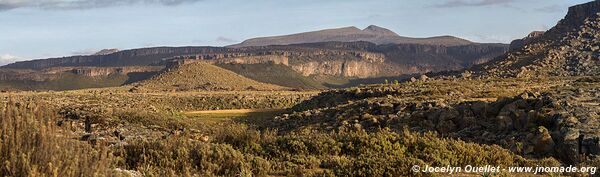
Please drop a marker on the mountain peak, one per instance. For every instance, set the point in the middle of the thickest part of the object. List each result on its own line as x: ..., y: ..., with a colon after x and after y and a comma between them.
x: 379, y: 31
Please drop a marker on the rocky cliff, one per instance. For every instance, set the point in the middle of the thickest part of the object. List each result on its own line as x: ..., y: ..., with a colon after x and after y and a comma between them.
x: 531, y: 37
x: 568, y: 49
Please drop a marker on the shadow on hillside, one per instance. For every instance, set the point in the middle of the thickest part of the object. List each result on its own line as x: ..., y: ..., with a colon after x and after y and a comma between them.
x: 139, y: 76
x: 371, y: 80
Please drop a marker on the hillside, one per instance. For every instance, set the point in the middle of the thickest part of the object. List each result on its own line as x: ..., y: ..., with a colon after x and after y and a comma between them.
x: 571, y: 48
x: 201, y: 76
x: 274, y: 74
x: 372, y: 33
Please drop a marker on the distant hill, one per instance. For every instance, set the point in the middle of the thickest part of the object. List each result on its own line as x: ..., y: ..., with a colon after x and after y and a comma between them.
x: 571, y: 48
x: 373, y: 34
x: 201, y: 76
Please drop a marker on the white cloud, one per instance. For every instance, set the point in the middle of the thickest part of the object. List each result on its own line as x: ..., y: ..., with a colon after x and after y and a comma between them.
x: 222, y: 39
x: 7, y: 59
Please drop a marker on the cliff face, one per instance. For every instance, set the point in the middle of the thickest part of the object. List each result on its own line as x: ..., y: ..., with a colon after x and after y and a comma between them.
x: 351, y: 68
x: 306, y: 61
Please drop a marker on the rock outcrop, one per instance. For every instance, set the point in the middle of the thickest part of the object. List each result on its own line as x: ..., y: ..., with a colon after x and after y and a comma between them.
x: 519, y: 43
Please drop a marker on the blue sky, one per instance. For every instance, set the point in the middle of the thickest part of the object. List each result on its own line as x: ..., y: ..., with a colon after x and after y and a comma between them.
x: 32, y: 29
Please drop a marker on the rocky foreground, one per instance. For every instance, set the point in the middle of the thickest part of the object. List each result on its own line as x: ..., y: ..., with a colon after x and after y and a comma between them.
x: 553, y: 118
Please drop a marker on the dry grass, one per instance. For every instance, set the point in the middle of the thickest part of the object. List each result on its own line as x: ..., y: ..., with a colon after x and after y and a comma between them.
x: 32, y: 145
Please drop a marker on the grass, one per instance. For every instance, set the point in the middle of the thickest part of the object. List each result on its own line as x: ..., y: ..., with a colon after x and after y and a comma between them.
x: 233, y: 114
x: 32, y: 145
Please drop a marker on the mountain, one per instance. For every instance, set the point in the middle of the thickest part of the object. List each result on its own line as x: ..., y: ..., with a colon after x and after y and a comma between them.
x: 372, y: 33
x: 571, y: 48
x: 314, y: 65
x: 201, y: 76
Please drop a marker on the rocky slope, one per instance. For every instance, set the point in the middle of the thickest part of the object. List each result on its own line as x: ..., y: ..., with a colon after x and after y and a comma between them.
x: 568, y: 49
x: 520, y: 43
x: 535, y: 118
x: 372, y: 33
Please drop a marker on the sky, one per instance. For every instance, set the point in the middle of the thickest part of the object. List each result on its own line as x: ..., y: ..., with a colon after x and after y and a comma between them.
x: 32, y: 29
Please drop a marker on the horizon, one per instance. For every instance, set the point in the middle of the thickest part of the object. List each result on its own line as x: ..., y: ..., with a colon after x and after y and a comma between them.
x: 65, y: 28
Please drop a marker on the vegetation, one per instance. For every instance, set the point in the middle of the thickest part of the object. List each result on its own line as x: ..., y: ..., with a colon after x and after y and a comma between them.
x: 155, y: 134
x: 33, y: 145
